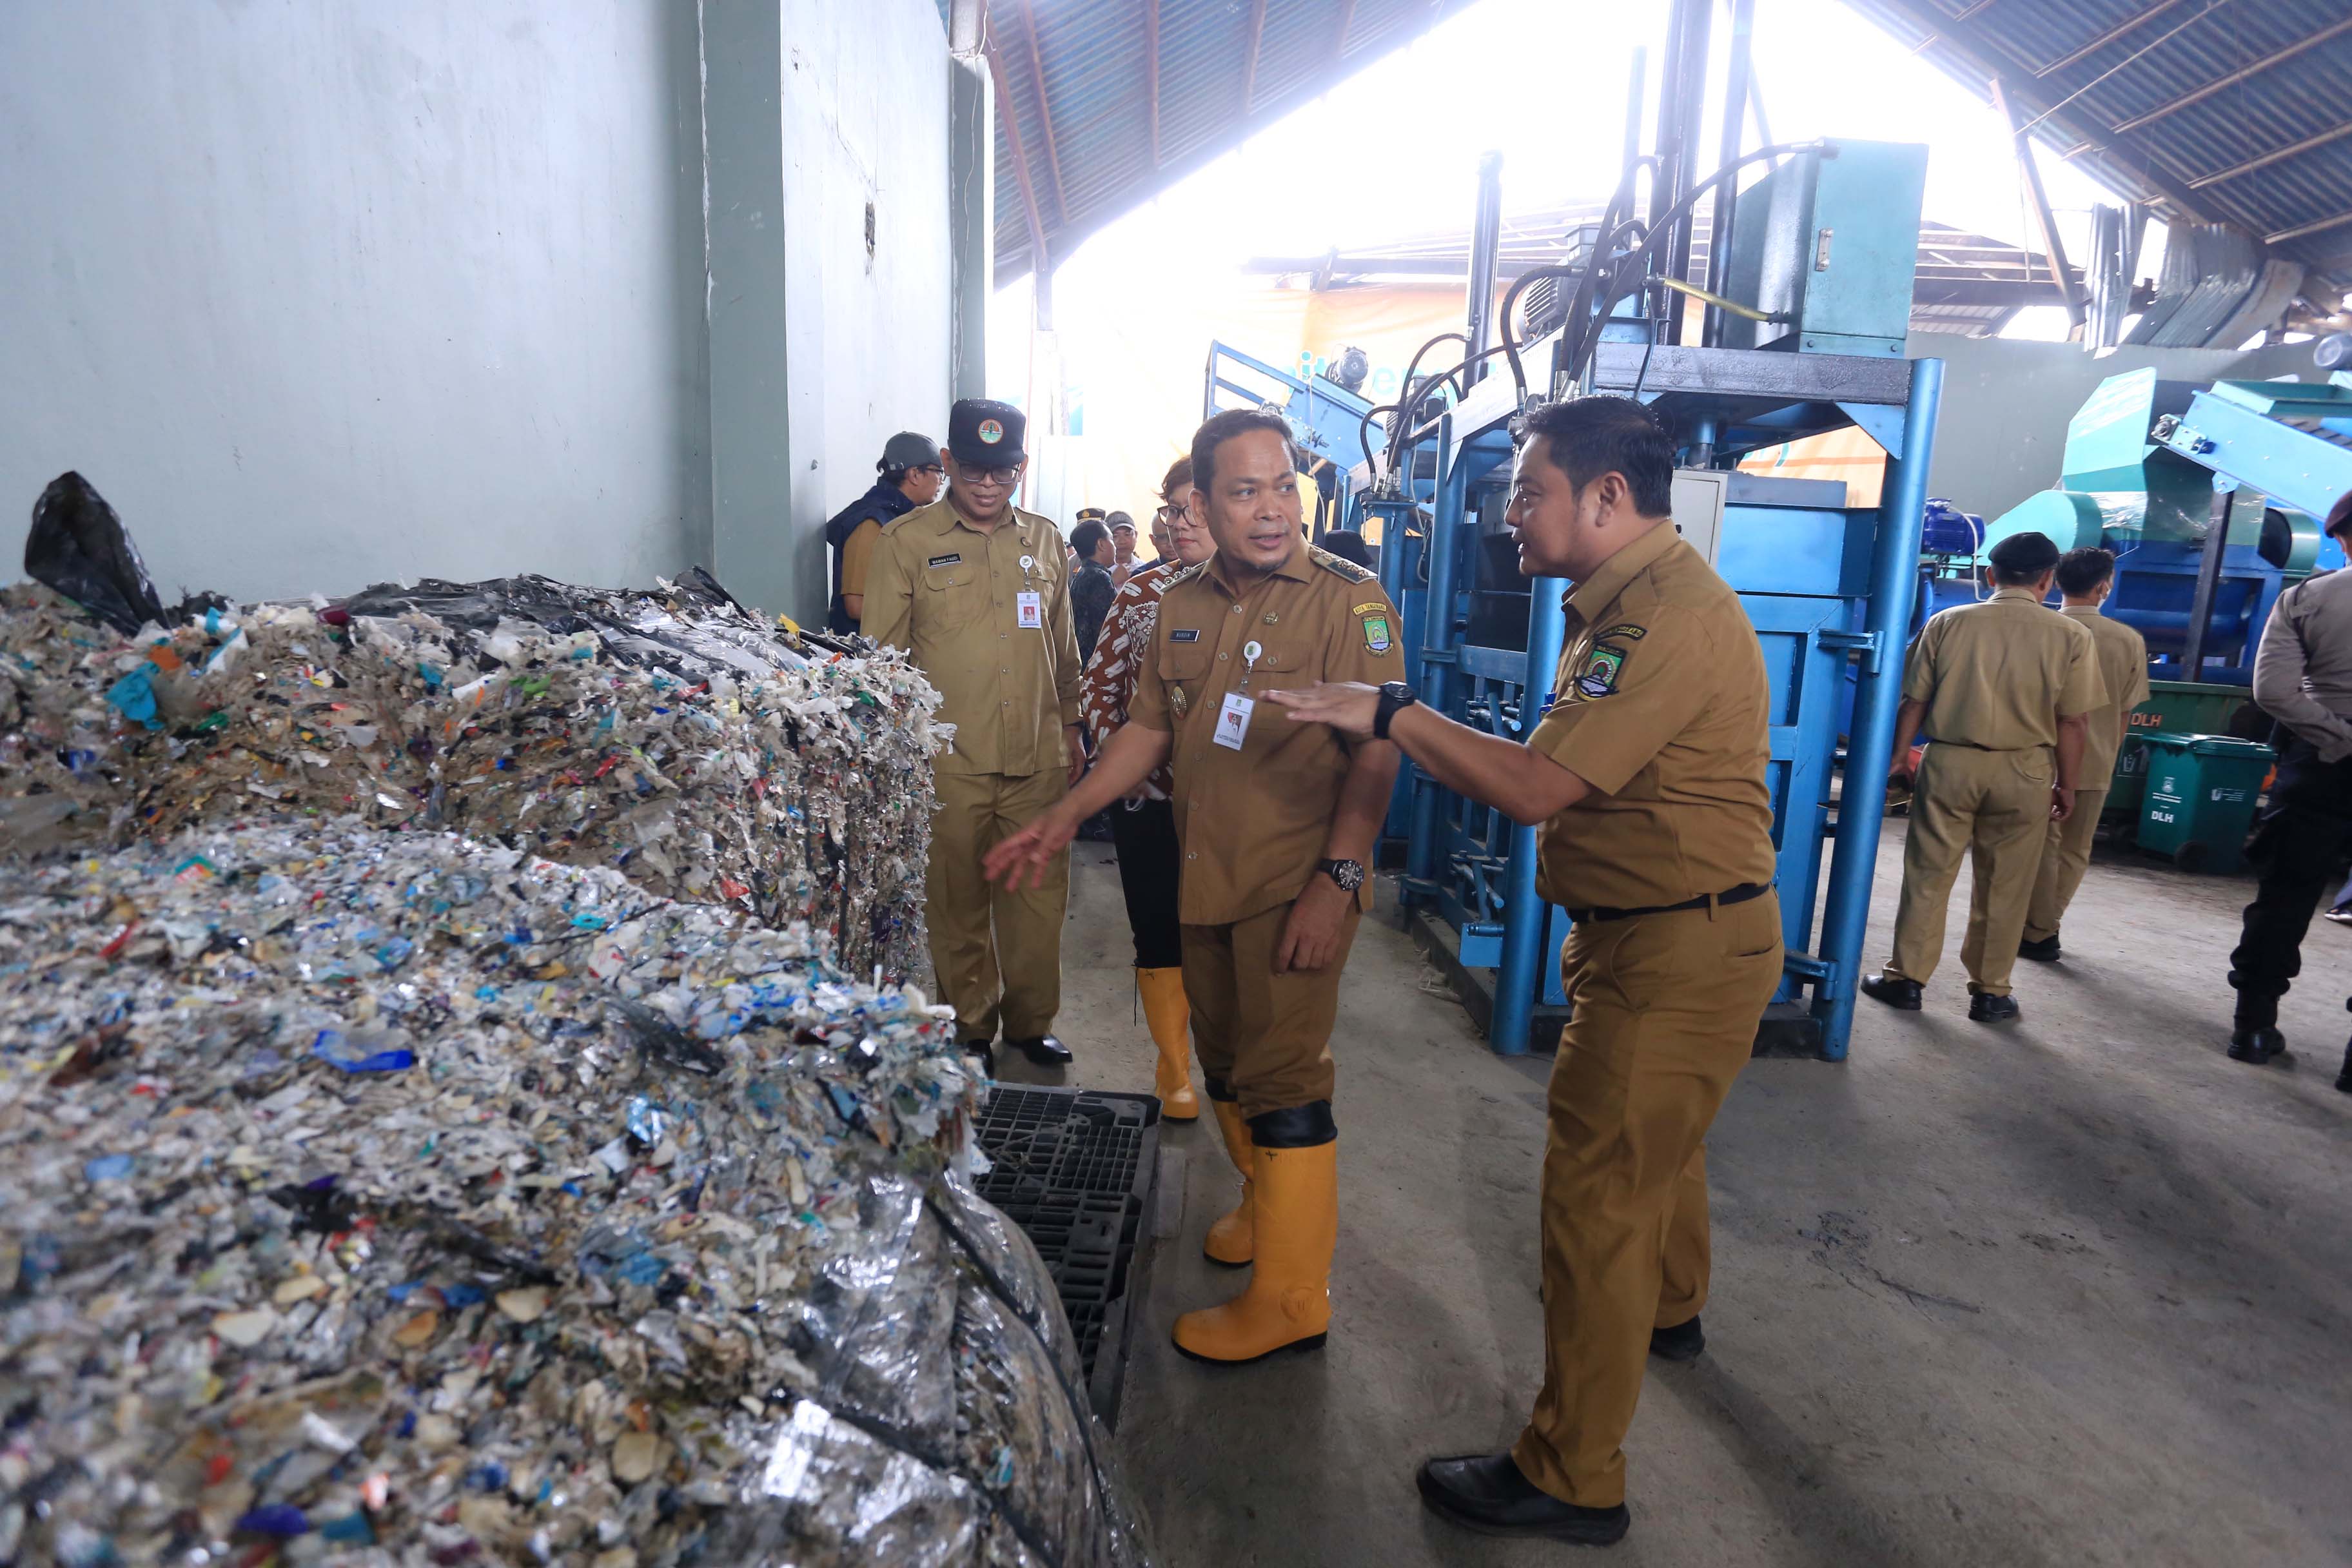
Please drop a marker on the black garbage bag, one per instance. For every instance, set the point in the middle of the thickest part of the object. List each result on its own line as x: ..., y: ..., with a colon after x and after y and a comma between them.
x: 80, y: 548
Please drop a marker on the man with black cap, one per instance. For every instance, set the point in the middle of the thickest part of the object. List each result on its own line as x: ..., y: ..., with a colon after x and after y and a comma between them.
x: 977, y: 593
x: 2003, y: 689
x: 2302, y: 678
x: 911, y: 477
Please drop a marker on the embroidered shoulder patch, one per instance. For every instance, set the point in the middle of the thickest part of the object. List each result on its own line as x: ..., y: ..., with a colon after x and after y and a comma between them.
x: 1627, y: 630
x: 1598, y: 676
x: 1376, y: 628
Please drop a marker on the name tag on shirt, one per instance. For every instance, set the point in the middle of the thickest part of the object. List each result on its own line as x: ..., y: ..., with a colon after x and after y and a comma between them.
x: 1234, y: 720
x: 954, y: 560
x: 1031, y: 607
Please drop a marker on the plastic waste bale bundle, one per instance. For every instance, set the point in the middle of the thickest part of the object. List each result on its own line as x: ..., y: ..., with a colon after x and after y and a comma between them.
x: 400, y: 1198
x: 667, y: 733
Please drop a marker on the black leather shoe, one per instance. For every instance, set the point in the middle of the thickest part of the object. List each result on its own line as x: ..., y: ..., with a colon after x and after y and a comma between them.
x: 2344, y: 1079
x: 2257, y: 1047
x: 1984, y: 1008
x: 985, y: 1051
x: 1681, y: 1342
x: 1902, y: 994
x: 2043, y: 952
x: 1045, y: 1051
x: 1486, y: 1492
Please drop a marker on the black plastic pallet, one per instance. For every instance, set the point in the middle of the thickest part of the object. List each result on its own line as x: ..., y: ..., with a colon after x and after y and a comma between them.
x: 1075, y: 1170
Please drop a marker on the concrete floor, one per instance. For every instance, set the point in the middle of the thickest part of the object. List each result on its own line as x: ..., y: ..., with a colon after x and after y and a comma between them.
x: 2077, y: 1292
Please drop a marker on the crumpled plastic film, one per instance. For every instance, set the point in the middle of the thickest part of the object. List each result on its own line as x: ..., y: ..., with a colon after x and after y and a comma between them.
x: 400, y: 1198
x: 668, y: 735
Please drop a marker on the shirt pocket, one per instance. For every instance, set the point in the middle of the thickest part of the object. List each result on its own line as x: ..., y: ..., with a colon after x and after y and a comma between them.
x: 1184, y: 676
x: 954, y: 596
x: 1281, y: 665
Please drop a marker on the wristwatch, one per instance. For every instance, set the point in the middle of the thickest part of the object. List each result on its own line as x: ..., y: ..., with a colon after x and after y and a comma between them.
x: 1395, y: 698
x: 1349, y: 874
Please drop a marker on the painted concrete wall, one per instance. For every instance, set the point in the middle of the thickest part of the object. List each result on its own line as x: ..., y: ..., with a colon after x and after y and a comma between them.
x: 866, y: 120
x: 2006, y: 403
x: 318, y: 294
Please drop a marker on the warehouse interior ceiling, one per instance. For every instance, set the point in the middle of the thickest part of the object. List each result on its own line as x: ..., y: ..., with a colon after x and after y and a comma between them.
x: 2226, y: 111
x: 1101, y: 104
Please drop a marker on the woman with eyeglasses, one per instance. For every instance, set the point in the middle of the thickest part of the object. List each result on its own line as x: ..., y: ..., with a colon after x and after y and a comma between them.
x: 1144, y: 828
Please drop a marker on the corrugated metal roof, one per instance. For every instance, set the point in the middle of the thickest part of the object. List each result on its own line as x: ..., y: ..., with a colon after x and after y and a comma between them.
x: 1102, y: 103
x: 2233, y: 111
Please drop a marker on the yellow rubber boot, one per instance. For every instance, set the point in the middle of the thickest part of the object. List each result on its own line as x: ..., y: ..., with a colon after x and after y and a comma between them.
x: 1231, y: 1240
x: 1171, y: 1017
x: 1288, y: 1303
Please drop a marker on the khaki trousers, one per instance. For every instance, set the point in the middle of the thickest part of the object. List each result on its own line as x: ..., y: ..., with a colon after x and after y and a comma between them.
x: 1994, y: 808
x: 998, y: 954
x: 2065, y: 856
x: 1665, y: 1015
x: 1266, y: 1036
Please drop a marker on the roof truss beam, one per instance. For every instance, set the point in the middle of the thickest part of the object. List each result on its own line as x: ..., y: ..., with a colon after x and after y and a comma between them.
x: 2278, y: 155
x: 1044, y: 109
x: 2121, y: 29
x: 2243, y: 73
x: 1256, y: 44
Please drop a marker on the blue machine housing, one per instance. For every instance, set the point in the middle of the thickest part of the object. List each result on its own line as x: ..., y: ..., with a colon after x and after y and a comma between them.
x: 2151, y: 468
x: 1828, y: 587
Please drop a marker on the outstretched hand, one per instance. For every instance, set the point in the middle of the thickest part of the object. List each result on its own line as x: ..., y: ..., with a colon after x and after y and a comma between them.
x: 1029, y: 852
x: 1348, y: 706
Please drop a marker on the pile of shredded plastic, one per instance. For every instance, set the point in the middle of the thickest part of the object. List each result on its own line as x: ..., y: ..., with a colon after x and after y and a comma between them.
x: 669, y: 735
x: 402, y: 1198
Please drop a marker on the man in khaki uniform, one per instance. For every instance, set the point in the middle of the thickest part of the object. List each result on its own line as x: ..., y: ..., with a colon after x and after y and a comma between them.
x: 1648, y: 775
x: 2004, y: 690
x: 2085, y: 578
x: 978, y: 592
x: 1277, y: 821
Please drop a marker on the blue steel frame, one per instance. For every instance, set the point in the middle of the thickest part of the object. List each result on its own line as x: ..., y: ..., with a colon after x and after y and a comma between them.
x: 1326, y: 419
x: 1807, y: 576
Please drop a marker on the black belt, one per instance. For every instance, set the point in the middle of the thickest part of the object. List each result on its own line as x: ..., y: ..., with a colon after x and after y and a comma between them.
x: 1738, y: 895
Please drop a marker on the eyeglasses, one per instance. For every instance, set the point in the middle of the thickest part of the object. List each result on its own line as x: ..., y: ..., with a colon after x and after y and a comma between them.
x: 1169, y: 513
x: 990, y: 476
x: 933, y: 470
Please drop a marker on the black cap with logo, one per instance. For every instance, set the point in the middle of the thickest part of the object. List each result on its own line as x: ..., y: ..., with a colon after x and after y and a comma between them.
x: 985, y: 434
x: 2025, y: 554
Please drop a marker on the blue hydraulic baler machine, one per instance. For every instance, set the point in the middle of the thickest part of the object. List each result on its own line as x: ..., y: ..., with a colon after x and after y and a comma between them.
x: 1805, y: 321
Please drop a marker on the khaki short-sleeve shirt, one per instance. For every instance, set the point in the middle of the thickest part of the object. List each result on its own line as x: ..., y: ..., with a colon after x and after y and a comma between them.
x: 1254, y: 821
x: 2123, y: 670
x: 856, y: 553
x: 950, y: 593
x: 1999, y: 674
x: 1661, y: 704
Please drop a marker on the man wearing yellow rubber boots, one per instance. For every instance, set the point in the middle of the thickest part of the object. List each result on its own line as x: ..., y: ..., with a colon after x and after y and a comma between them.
x: 1276, y: 821
x: 1648, y: 776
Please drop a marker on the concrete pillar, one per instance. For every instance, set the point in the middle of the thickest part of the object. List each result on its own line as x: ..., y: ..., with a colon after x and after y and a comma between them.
x: 743, y: 197
x: 971, y: 220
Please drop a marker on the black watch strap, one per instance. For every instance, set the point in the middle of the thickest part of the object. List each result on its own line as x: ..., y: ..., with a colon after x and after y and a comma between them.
x: 1395, y: 698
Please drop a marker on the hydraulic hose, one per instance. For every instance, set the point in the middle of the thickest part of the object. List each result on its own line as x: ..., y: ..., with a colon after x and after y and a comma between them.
x: 1638, y: 263
x: 1412, y: 405
x: 1621, y: 198
x: 1364, y: 428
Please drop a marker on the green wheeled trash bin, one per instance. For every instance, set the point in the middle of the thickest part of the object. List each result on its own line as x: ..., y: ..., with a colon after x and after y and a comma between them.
x: 2200, y: 803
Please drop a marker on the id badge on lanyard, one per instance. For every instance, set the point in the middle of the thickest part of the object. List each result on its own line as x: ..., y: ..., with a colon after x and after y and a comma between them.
x: 1029, y: 606
x: 1234, y: 717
